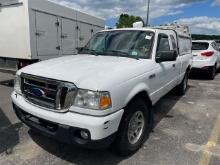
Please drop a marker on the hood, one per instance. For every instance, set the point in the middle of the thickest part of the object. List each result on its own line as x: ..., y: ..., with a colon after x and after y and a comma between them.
x: 88, y: 71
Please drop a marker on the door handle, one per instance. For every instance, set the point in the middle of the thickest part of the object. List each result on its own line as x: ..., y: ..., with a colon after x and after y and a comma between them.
x: 58, y: 48
x: 40, y: 33
x: 64, y: 36
x: 174, y: 65
x: 152, y: 76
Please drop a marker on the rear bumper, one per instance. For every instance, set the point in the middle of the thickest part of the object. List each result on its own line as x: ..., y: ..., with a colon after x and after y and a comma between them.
x: 200, y: 64
x: 206, y: 69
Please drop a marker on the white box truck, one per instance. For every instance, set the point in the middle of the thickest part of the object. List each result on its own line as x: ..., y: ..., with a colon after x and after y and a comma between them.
x: 35, y: 30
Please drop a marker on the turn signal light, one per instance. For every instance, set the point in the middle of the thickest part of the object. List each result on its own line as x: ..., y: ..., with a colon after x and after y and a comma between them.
x: 105, y: 101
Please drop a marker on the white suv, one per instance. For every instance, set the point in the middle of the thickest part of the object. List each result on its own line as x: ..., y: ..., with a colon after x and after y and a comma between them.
x: 206, y: 57
x: 104, y: 94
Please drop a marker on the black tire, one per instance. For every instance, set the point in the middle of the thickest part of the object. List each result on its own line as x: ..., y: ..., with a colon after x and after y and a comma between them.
x: 182, y: 88
x: 122, y: 144
x: 212, y: 73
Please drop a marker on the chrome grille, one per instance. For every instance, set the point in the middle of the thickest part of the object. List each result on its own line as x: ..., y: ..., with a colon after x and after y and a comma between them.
x: 48, y: 93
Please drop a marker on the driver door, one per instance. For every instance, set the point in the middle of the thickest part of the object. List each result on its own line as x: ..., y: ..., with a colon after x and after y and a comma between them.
x: 167, y: 70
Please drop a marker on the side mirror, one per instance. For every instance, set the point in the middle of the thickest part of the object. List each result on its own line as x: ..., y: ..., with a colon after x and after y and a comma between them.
x: 79, y: 49
x: 163, y: 56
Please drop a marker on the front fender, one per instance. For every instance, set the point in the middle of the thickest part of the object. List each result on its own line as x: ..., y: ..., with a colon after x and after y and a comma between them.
x: 142, y: 87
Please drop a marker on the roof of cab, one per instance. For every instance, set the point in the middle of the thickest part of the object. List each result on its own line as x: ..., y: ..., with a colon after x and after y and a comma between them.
x: 207, y: 41
x: 153, y: 29
x: 130, y: 29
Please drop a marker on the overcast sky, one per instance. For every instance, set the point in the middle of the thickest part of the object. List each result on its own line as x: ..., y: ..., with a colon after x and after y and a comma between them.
x: 202, y: 15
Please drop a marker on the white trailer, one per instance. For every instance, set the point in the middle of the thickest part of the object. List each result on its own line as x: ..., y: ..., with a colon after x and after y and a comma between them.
x: 35, y: 30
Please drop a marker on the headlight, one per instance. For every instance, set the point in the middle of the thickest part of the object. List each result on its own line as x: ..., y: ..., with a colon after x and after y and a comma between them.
x: 93, y: 100
x: 17, y: 84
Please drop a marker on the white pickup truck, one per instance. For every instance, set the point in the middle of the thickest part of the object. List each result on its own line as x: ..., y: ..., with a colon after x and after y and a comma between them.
x: 104, y: 94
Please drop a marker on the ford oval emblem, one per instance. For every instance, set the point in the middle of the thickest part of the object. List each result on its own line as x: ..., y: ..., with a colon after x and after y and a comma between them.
x: 37, y: 92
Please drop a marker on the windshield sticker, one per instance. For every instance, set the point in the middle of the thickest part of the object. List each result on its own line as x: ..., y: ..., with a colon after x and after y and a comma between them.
x: 134, y: 53
x: 148, y: 37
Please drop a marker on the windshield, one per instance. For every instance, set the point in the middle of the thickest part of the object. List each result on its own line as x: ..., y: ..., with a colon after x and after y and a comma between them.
x: 200, y: 46
x: 136, y: 44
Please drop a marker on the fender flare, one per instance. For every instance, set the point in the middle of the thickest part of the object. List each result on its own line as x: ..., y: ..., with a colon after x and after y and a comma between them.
x: 142, y: 87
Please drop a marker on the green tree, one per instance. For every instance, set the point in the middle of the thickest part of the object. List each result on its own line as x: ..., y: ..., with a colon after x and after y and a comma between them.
x: 205, y: 37
x: 126, y: 21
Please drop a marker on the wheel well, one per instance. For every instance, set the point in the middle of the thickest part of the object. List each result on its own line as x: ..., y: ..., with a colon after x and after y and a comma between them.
x: 188, y: 69
x: 143, y: 95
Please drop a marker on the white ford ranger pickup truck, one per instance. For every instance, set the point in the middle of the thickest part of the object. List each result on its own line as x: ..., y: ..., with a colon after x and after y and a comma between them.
x: 103, y: 96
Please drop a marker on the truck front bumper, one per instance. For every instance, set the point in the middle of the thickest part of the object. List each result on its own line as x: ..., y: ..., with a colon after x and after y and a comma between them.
x: 67, y: 127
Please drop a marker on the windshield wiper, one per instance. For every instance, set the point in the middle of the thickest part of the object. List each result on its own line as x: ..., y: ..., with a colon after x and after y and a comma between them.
x: 90, y: 51
x: 119, y: 54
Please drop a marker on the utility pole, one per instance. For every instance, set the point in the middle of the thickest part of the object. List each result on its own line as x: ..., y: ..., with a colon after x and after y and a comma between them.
x: 148, y: 11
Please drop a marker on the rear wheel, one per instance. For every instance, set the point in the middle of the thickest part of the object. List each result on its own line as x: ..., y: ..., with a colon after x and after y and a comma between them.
x: 134, y: 128
x: 212, y: 72
x: 182, y: 88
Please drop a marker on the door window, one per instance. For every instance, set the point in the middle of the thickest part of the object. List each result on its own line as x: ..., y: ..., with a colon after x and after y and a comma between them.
x: 163, y: 43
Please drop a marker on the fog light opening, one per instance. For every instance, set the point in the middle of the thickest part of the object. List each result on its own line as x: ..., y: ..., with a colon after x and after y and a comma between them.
x: 84, y: 135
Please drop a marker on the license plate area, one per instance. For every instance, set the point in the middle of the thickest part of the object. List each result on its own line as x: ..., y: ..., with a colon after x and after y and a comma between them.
x: 49, y: 126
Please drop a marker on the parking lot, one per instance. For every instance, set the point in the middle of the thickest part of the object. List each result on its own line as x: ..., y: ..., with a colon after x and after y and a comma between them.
x: 186, y: 132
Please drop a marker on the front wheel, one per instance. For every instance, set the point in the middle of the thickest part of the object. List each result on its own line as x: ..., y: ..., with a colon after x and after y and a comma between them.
x: 134, y: 128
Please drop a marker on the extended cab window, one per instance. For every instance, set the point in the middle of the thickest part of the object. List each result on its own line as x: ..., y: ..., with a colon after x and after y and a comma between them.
x: 163, y: 43
x: 173, y: 42
x: 185, y: 45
